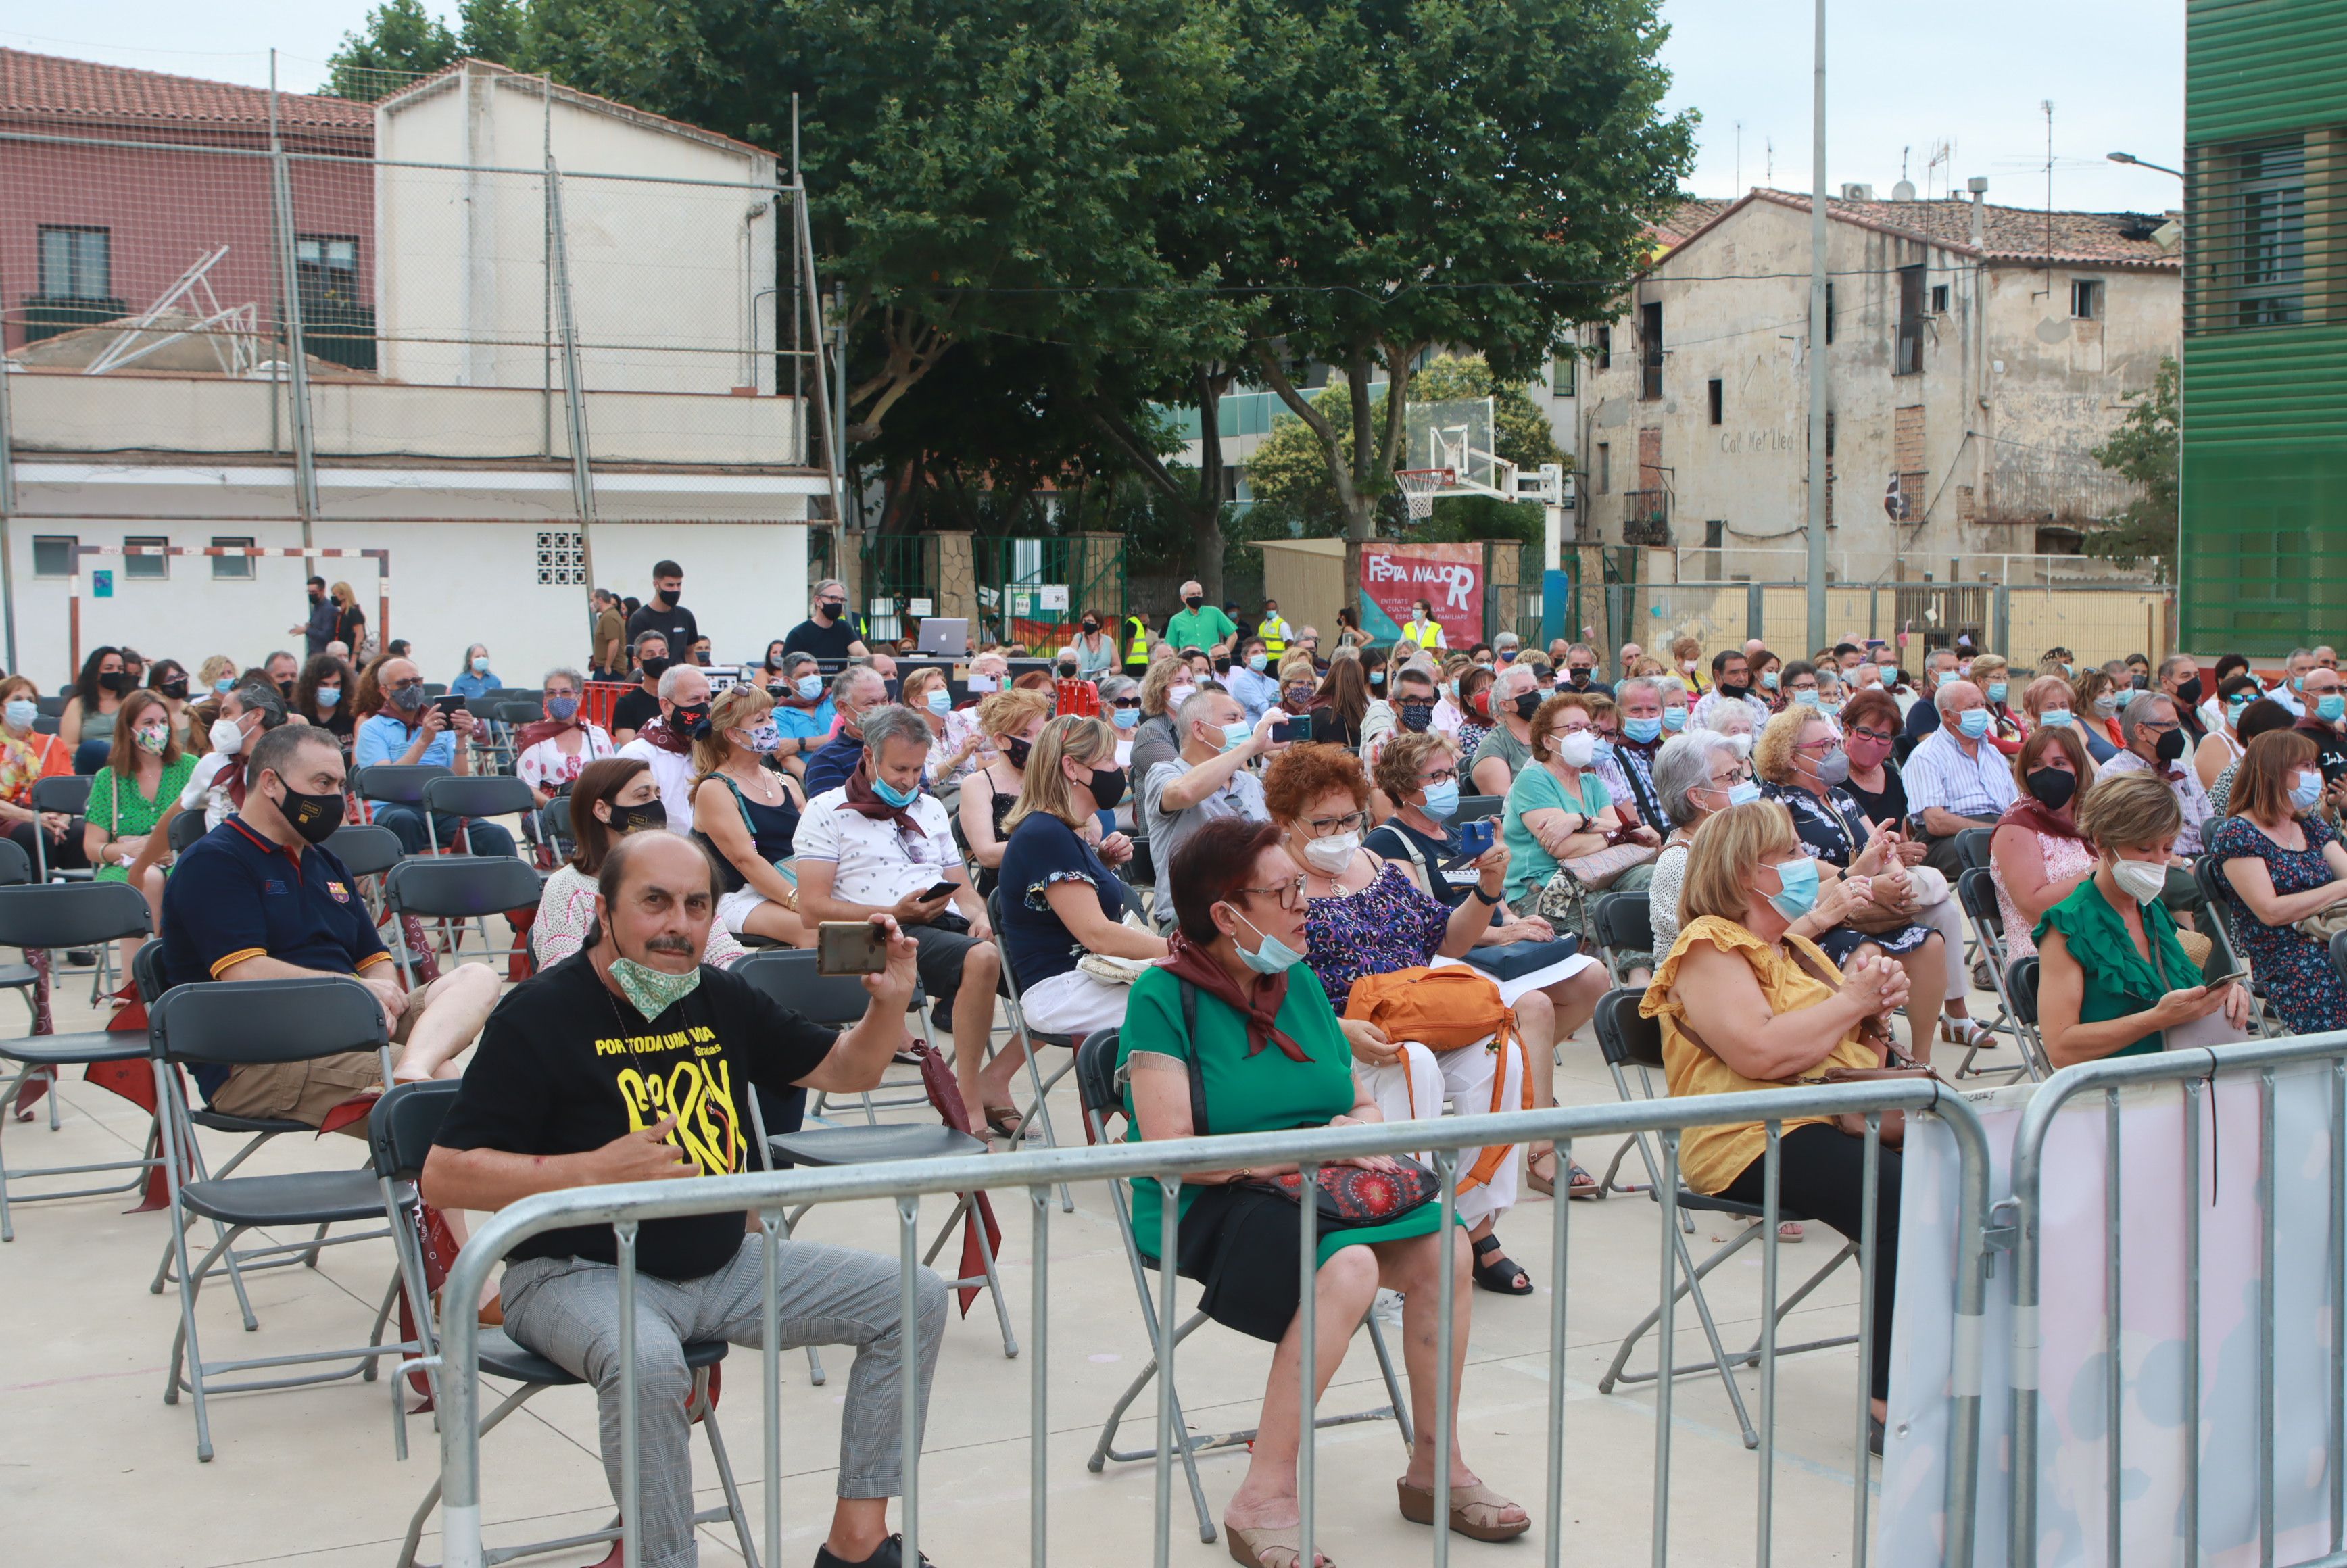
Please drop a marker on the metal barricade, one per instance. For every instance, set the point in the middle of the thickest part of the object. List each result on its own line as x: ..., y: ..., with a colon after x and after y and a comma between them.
x: 1038, y: 1173
x: 2019, y: 1220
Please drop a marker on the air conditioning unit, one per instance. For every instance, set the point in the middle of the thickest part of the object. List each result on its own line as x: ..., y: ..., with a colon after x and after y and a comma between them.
x: 1857, y: 193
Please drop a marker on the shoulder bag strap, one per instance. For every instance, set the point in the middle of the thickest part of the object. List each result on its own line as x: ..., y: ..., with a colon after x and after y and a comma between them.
x: 741, y: 806
x: 1197, y: 1073
x: 1418, y: 860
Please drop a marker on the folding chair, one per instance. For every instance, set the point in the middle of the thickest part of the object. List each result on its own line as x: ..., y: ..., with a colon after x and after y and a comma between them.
x: 67, y: 793
x: 2021, y: 982
x: 400, y: 1132
x: 2338, y: 952
x: 2209, y: 874
x: 1973, y: 846
x: 455, y: 795
x: 186, y: 828
x: 1624, y: 924
x: 1977, y: 892
x: 459, y: 889
x: 395, y: 784
x: 836, y: 1002
x: 260, y: 1023
x: 1475, y: 807
x: 1040, y: 1108
x: 63, y: 914
x: 554, y: 834
x: 1626, y: 1036
x: 366, y: 852
x: 1102, y: 1099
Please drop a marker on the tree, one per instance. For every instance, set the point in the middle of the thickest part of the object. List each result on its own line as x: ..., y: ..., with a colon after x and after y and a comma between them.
x: 2144, y: 449
x: 403, y: 41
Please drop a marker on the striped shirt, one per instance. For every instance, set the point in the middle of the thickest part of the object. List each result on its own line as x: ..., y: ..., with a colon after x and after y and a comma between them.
x: 1938, y: 774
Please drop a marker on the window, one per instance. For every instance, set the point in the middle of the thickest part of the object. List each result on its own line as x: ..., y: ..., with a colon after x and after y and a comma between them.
x: 328, y: 268
x: 53, y: 555
x: 1604, y: 348
x: 2087, y: 299
x: 1719, y: 399
x: 145, y: 567
x: 76, y: 263
x: 1939, y: 299
x: 1561, y: 373
x: 1910, y: 322
x: 238, y: 569
x: 1605, y: 468
x: 2271, y: 254
x: 1650, y: 350
x: 1829, y: 310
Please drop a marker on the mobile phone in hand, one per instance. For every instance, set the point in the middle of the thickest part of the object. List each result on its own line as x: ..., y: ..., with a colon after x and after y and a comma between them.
x: 1475, y: 840
x: 850, y: 947
x: 450, y: 705
x: 2212, y: 981
x: 939, y: 890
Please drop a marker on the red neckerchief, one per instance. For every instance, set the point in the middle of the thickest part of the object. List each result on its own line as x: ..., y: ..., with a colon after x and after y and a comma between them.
x: 661, y: 738
x: 538, y: 730
x: 1259, y: 1004
x: 864, y: 801
x: 2029, y: 812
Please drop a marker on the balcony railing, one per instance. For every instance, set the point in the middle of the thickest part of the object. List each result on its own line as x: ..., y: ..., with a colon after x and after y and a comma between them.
x: 1647, y: 518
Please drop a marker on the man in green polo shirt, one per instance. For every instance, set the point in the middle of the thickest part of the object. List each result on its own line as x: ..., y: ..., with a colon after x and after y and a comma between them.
x: 1198, y: 624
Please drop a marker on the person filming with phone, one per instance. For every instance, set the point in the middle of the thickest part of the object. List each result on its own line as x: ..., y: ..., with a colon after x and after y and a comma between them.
x: 414, y: 730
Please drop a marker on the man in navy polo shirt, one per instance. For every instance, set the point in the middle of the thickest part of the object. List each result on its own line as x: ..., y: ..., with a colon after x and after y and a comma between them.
x: 261, y: 898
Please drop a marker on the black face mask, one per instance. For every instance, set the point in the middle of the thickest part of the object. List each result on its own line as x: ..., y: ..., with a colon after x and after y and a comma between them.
x: 286, y: 690
x: 1733, y: 693
x: 1579, y: 678
x: 2189, y: 693
x: 176, y: 687
x: 655, y: 667
x: 1417, y: 716
x: 691, y: 721
x: 2171, y: 746
x: 1195, y: 600
x: 1222, y: 663
x: 1107, y: 787
x: 2053, y: 788
x: 650, y: 816
x: 314, y: 817
x: 1527, y: 705
x: 829, y: 609
x: 1091, y: 626
x: 1015, y: 749
x: 115, y: 680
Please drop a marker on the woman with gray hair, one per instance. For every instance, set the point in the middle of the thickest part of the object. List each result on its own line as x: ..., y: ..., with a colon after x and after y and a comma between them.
x: 553, y: 750
x: 1119, y: 698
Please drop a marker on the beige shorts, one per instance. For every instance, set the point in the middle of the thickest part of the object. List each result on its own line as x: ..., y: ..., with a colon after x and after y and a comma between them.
x: 306, y: 1091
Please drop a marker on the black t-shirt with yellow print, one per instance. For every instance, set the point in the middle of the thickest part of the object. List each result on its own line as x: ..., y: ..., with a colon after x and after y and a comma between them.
x: 566, y: 1066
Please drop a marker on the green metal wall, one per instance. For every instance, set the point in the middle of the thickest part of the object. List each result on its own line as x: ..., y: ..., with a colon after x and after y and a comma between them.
x: 2264, y: 475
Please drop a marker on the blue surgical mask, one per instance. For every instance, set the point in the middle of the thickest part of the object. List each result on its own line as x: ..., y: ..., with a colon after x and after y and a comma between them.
x: 1124, y: 718
x: 898, y: 798
x: 809, y: 688
x: 940, y: 701
x: 2054, y: 718
x: 481, y: 665
x: 1236, y: 734
x: 330, y: 695
x: 1273, y: 957
x: 1441, y: 801
x: 1996, y: 691
x: 22, y: 711
x: 1601, y: 751
x: 1829, y: 710
x: 1743, y: 791
x: 2331, y: 707
x: 1972, y: 722
x: 2304, y: 791
x: 1675, y: 719
x: 2298, y: 683
x: 1769, y: 680
x: 1645, y: 731
x: 1808, y: 699
x: 1797, y: 882
x: 2233, y: 708
x: 1376, y: 677
x: 225, y: 685
x: 1255, y: 662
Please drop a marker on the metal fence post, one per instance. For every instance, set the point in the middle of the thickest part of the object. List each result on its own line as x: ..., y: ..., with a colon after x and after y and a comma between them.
x: 8, y: 510
x: 574, y: 395
x: 297, y: 353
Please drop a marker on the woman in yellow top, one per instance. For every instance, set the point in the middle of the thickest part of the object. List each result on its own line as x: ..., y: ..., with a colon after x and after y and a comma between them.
x: 1747, y: 880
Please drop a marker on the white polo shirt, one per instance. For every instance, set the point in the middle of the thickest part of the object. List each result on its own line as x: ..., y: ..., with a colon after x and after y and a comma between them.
x: 876, y: 861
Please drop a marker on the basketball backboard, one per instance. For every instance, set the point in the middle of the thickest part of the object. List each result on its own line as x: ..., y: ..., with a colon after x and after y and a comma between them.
x: 1457, y: 435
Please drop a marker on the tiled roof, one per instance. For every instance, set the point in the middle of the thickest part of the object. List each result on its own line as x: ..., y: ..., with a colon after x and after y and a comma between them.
x: 444, y: 79
x: 48, y: 87
x: 1692, y: 215
x: 2021, y: 234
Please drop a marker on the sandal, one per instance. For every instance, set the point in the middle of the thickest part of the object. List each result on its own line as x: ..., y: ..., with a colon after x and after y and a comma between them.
x: 1500, y: 1275
x: 1582, y: 1184
x: 1476, y: 1511
x: 1269, y: 1547
x: 1968, y: 1032
x: 1544, y: 1186
x: 1003, y: 1121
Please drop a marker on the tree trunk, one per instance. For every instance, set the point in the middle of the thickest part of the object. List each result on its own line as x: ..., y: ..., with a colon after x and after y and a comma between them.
x: 1207, y: 542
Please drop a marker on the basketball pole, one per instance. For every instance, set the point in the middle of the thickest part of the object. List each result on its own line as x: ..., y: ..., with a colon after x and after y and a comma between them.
x: 1817, y: 340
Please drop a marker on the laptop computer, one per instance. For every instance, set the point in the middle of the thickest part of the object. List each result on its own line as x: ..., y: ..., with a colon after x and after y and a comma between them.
x: 947, y: 635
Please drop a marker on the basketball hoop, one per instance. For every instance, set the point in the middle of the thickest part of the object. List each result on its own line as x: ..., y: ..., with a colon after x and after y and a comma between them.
x: 1419, y: 487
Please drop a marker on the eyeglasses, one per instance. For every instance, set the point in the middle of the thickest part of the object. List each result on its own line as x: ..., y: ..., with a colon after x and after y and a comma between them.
x: 1125, y: 703
x: 1439, y: 776
x: 1288, y: 894
x: 2159, y: 727
x: 1740, y: 775
x: 1862, y: 731
x: 410, y: 685
x: 1563, y: 729
x: 1822, y: 745
x: 1324, y: 827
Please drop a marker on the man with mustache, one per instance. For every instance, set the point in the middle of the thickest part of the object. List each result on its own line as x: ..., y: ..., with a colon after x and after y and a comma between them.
x: 631, y: 1061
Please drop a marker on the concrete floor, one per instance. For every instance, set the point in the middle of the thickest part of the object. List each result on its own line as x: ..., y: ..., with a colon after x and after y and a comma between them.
x: 96, y: 1469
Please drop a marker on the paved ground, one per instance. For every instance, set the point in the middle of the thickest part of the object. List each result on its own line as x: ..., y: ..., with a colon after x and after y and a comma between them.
x: 96, y: 1470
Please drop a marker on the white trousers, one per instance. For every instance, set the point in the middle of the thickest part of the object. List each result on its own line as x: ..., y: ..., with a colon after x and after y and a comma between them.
x: 1414, y: 1089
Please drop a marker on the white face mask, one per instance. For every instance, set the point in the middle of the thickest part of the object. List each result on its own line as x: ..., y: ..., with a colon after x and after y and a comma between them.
x: 227, y: 737
x: 2141, y: 880
x: 1329, y: 857
x: 1576, y: 750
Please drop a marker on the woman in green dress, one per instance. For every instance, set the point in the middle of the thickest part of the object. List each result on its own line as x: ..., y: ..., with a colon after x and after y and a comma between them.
x: 2112, y: 977
x: 1271, y: 1054
x: 144, y: 773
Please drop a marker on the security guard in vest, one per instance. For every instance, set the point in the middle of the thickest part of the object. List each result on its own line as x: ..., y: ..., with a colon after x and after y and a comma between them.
x: 1274, y: 631
x: 1422, y: 628
x: 1136, y: 649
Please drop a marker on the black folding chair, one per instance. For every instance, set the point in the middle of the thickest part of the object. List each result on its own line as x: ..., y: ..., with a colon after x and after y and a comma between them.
x: 51, y: 915
x: 1624, y: 924
x: 396, y: 784
x: 2021, y: 981
x: 836, y: 1002
x: 1976, y: 891
x: 1973, y: 846
x: 67, y: 793
x: 259, y: 1023
x: 1103, y: 1100
x: 1625, y: 1037
x: 2209, y: 874
x: 459, y: 889
x: 186, y: 828
x: 400, y: 1132
x: 468, y: 797
x: 2338, y: 952
x: 1040, y: 1108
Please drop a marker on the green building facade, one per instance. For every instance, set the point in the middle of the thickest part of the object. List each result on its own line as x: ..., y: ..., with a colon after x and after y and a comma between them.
x: 2264, y: 417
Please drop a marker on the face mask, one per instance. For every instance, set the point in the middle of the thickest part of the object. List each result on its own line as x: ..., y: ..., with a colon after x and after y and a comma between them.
x: 114, y: 681
x: 225, y: 685
x: 2053, y: 788
x: 1015, y: 749
x: 1833, y: 767
x: 763, y: 738
x: 559, y: 709
x: 2170, y: 746
x: 650, y: 991
x: 644, y: 818
x: 1806, y: 699
x: 2054, y: 718
x: 408, y: 697
x: 1177, y: 695
x: 1107, y: 787
x: 1733, y: 693
x: 2233, y: 708
x: 286, y: 690
x: 1996, y: 691
x: 829, y: 609
x: 1797, y: 884
x: 2069, y: 670
x: 1769, y: 681
x: 1688, y: 666
x: 1235, y: 734
x: 481, y: 665
x: 176, y: 688
x: 1675, y: 719
x: 330, y: 695
x: 1966, y: 669
x: 2329, y: 708
x: 1195, y: 600
x: 977, y: 683
x: 227, y: 737
x: 2141, y: 681
x: 1222, y: 664
x: 2107, y: 704
x: 2189, y: 692
x: 1273, y: 957
x: 2139, y: 880
x: 22, y: 711
x: 1124, y: 718
x: 1330, y: 856
x: 1579, y: 678
x: 1829, y: 708
x: 1257, y: 663
x: 1299, y: 696
x: 1972, y: 722
x: 899, y: 798
x: 314, y: 817
x: 1743, y: 791
x: 1645, y: 731
x: 940, y: 701
x: 654, y: 667
x: 1576, y: 750
x: 152, y: 740
x: 2304, y: 790
x: 1376, y: 677
x: 1091, y: 626
x: 1417, y: 716
x: 692, y: 722
x: 1441, y: 801
x: 1528, y: 704
x: 1603, y: 751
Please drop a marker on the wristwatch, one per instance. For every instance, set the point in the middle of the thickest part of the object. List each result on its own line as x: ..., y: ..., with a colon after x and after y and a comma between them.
x: 1487, y: 899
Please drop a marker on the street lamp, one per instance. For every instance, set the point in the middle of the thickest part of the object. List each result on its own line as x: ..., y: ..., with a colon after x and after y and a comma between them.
x: 2142, y: 163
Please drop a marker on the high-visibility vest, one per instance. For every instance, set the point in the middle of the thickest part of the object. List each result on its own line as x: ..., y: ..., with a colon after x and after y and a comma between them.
x: 1427, y: 636
x: 1275, y: 632
x: 1136, y: 652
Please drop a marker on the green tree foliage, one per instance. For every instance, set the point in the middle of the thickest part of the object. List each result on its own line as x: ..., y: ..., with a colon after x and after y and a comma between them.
x: 403, y: 41
x: 2144, y: 448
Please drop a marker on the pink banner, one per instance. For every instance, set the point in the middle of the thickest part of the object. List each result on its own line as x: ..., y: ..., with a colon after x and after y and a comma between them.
x: 1448, y: 577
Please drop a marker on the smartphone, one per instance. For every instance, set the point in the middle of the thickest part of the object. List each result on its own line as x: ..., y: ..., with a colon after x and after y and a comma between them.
x: 850, y: 947
x: 1295, y: 727
x: 939, y: 890
x: 2227, y: 979
x: 451, y: 704
x: 1475, y: 839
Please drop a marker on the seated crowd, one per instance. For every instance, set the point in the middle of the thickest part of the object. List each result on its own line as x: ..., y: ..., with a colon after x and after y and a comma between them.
x: 1241, y: 855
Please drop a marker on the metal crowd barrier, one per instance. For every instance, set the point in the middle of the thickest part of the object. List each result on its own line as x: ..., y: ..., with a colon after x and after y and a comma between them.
x: 625, y: 1208
x: 2196, y: 1071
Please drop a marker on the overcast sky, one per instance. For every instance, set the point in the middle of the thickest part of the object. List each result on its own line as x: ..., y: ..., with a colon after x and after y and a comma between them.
x: 1903, y: 79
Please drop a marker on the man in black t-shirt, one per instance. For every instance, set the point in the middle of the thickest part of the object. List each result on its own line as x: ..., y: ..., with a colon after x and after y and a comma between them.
x: 631, y: 1061
x: 640, y: 707
x: 829, y: 632
x: 662, y: 613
